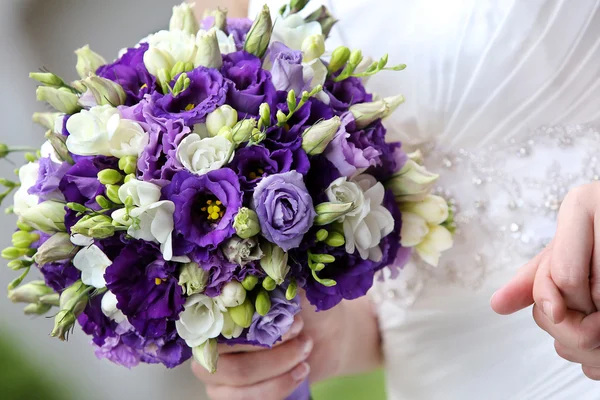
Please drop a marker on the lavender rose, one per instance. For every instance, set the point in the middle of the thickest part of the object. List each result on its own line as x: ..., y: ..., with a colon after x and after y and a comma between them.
x: 285, y: 209
x: 269, y: 329
x: 287, y: 68
x: 49, y: 177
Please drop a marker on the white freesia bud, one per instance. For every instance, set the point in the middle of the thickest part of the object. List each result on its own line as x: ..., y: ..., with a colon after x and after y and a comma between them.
x: 259, y: 36
x: 92, y: 262
x: 293, y: 30
x: 208, y: 53
x: 109, y: 307
x: 62, y: 99
x: 226, y: 43
x: 432, y: 209
x: 157, y: 59
x: 313, y: 47
x: 232, y: 295
x: 183, y: 19
x: 201, y: 320
x: 48, y: 217
x: 412, y: 183
x: 28, y: 176
x: 125, y: 137
x: 192, y: 279
x: 242, y: 131
x: 231, y: 330
x: 221, y: 117
x: 414, y: 229
x: 46, y: 119
x: 88, y: 135
x: 366, y: 113
x: 274, y: 262
x: 88, y: 61
x: 200, y: 156
x: 29, y: 292
x: 438, y: 240
x: 207, y: 355
x: 316, y: 138
x: 104, y: 91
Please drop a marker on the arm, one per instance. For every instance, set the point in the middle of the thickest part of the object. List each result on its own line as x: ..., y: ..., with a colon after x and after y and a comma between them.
x: 235, y: 8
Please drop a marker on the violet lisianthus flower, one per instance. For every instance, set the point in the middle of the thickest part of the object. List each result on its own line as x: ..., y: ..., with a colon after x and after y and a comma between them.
x: 269, y: 329
x: 348, y: 92
x: 238, y: 28
x: 197, y: 221
x: 158, y: 162
x: 253, y: 163
x: 285, y: 209
x: 60, y: 275
x: 130, y: 72
x: 220, y: 272
x: 249, y: 85
x: 146, y: 288
x: 354, y: 151
x: 287, y: 69
x: 49, y: 176
x: 80, y: 182
x: 206, y: 92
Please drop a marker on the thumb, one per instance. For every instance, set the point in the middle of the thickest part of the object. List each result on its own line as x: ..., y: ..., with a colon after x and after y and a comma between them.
x: 518, y: 293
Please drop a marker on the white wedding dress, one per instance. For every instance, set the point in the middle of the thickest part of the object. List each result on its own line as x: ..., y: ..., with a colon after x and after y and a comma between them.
x: 505, y: 97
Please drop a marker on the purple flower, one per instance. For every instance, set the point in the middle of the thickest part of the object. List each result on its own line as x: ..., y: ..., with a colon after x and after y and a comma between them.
x: 284, y: 208
x: 249, y: 85
x: 80, y: 182
x: 236, y: 27
x: 353, y: 151
x: 158, y: 162
x: 130, y: 72
x: 346, y: 93
x: 206, y: 92
x: 60, y: 275
x: 220, y: 273
x: 193, y: 195
x: 269, y: 329
x: 287, y: 70
x: 256, y: 162
x: 146, y: 288
x: 50, y: 175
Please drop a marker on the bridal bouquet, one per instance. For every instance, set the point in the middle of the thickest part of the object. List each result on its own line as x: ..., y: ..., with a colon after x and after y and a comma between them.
x: 188, y: 190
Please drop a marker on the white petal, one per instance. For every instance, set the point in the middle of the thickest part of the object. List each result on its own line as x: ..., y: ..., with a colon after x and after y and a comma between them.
x: 80, y: 240
x: 92, y: 262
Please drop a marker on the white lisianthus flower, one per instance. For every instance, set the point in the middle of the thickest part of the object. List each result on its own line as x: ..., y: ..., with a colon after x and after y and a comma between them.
x: 438, y: 240
x: 125, y: 137
x: 208, y: 53
x: 226, y: 43
x: 201, y: 320
x: 414, y: 229
x: 292, y: 31
x: 370, y: 221
x: 231, y: 330
x: 88, y: 135
x: 109, y: 308
x: 172, y: 46
x: 200, y: 156
x: 232, y: 295
x: 28, y: 176
x: 92, y: 262
x: 47, y: 151
x: 48, y: 216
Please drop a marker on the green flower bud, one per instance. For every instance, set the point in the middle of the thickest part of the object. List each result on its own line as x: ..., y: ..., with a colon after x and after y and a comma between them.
x: 367, y: 113
x: 48, y: 79
x: 242, y: 131
x: 319, y: 267
x: 322, y: 235
x: 330, y: 212
x: 265, y: 115
x: 226, y: 132
x: 258, y: 136
x: 128, y: 164
x: 250, y: 282
x: 339, y: 58
x: 246, y: 223
x: 207, y: 355
x: 208, y: 53
x: 17, y: 265
x: 274, y: 262
x: 4, y: 150
x: 80, y: 208
x: 63, y: 323
x: 129, y: 178
x: 297, y: 5
x: 48, y: 217
x: 335, y: 239
x: 263, y: 302
x: 52, y: 299
x: 36, y: 309
x: 45, y: 119
x: 103, y: 202
x: 12, y: 253
x: 97, y: 226
x: 105, y: 91
x: 412, y: 183
x: 181, y: 84
x: 221, y: 117
x: 292, y: 290
x: 59, y: 145
x: 232, y: 295
x: 23, y: 240
x: 322, y: 258
x: 29, y: 293
x: 269, y: 284
x: 192, y: 279
x: 316, y: 138
x: 61, y: 99
x: 112, y: 192
x: 110, y: 177
x: 30, y: 157
x: 102, y: 231
x: 220, y: 19
x: 23, y: 226
x: 242, y: 314
x: 88, y: 61
x: 75, y: 298
x: 313, y: 47
x: 259, y: 36
x: 355, y: 57
x: 281, y: 117
x: 183, y: 19
x: 323, y: 17
x: 291, y: 100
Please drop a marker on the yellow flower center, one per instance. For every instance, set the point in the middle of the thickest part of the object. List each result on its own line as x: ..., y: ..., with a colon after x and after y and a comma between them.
x: 254, y: 175
x: 189, y: 107
x: 214, y: 210
x: 158, y: 281
x: 144, y: 86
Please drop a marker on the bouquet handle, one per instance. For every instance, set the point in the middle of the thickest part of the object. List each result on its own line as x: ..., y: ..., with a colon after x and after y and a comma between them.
x: 302, y: 393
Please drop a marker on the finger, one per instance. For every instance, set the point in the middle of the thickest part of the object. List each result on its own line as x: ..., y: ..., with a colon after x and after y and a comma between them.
x: 294, y: 331
x: 589, y: 358
x: 595, y: 275
x: 273, y: 389
x: 546, y: 295
x: 577, y: 331
x: 591, y: 372
x: 573, y: 244
x: 518, y: 293
x: 244, y: 369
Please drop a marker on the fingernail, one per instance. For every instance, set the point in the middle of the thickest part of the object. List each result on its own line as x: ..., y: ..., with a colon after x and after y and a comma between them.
x: 300, y: 372
x: 547, y: 309
x: 296, y: 327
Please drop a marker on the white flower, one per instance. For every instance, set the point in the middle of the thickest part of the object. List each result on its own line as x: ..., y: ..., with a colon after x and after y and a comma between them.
x: 109, y: 308
x: 204, y: 155
x: 28, y: 176
x: 231, y: 330
x: 47, y: 151
x: 172, y: 46
x: 314, y: 74
x: 292, y: 31
x: 226, y: 43
x: 92, y: 262
x: 414, y: 229
x: 313, y: 47
x: 221, y: 117
x: 125, y: 137
x: 88, y: 135
x: 48, y: 216
x: 369, y: 222
x: 433, y: 209
x: 208, y: 53
x: 143, y: 193
x: 201, y: 320
x: 183, y: 19
x: 232, y: 295
x: 438, y: 240
x: 157, y: 59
